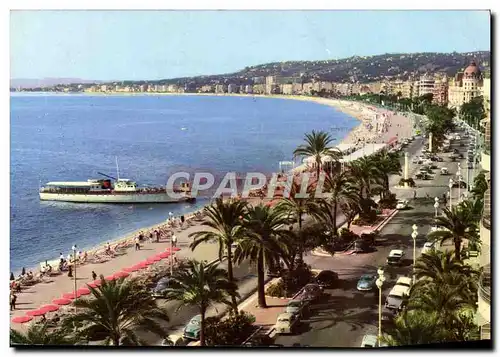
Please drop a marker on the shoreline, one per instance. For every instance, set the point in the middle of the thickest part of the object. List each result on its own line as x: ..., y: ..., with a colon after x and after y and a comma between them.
x: 359, y: 111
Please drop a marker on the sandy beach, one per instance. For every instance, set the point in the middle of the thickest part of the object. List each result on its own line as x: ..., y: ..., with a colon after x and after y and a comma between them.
x: 32, y: 297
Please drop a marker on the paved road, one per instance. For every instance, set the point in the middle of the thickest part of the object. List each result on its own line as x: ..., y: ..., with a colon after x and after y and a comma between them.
x: 345, y: 315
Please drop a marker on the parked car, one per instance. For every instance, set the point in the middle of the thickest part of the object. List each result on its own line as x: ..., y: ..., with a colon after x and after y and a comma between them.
x: 193, y: 328
x: 460, y: 156
x: 366, y: 282
x: 457, y: 137
x: 327, y: 279
x: 402, y: 204
x: 286, y: 323
x: 445, y: 171
x: 428, y: 247
x: 423, y: 176
x: 161, y: 286
x: 455, y: 151
x: 396, y: 297
x: 404, y: 281
x: 395, y: 257
x: 296, y: 307
x: 369, y: 341
x: 417, y: 160
x: 311, y: 292
x: 462, y: 184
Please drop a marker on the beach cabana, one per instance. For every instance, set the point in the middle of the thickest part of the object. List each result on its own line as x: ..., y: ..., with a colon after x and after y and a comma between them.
x: 164, y: 255
x: 49, y: 308
x: 38, y: 312
x: 71, y: 295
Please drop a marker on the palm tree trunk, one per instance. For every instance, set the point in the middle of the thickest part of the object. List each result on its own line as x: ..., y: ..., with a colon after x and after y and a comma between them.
x: 301, y: 249
x: 230, y: 275
x: 116, y: 339
x: 335, y: 218
x: 261, y: 295
x: 458, y: 243
x: 202, y: 327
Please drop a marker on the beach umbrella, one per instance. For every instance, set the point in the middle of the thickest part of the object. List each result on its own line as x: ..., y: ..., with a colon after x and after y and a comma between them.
x: 121, y: 274
x: 49, y: 308
x: 61, y: 301
x: 164, y: 255
x: 38, y: 312
x: 110, y: 278
x: 71, y: 295
x: 97, y: 282
x: 133, y: 268
x: 92, y: 284
x: 145, y: 263
x: 83, y: 291
x: 153, y: 259
x: 22, y: 319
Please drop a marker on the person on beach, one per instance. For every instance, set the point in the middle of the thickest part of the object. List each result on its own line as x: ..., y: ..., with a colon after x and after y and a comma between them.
x: 141, y: 236
x: 108, y: 248
x: 13, y: 299
x: 414, y: 194
x: 137, y: 244
x: 157, y: 234
x: 174, y: 240
x: 150, y: 237
x: 94, y: 275
x: 61, y: 256
x: 182, y: 220
x: 12, y: 276
x: 70, y: 271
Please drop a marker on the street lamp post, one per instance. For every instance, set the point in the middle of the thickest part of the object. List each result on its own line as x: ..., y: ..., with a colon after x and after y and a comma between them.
x: 74, y: 272
x: 450, y: 185
x: 414, y: 235
x: 380, y: 282
x: 170, y: 214
x: 459, y: 177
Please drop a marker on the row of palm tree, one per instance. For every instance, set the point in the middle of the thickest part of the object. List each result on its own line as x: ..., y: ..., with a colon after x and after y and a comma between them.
x: 441, y: 304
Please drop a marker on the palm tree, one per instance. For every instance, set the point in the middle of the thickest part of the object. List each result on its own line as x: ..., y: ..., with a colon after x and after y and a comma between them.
x: 264, y: 226
x: 387, y: 164
x: 317, y: 145
x: 341, y: 188
x: 436, y: 266
x: 364, y: 172
x: 41, y: 334
x: 118, y: 308
x: 201, y: 285
x: 414, y: 328
x: 297, y: 206
x: 459, y: 223
x: 480, y: 186
x: 225, y: 222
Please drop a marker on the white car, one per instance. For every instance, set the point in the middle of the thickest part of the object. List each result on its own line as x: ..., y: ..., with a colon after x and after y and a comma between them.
x: 402, y: 204
x: 404, y: 281
x: 427, y: 162
x: 428, y: 247
x: 457, y: 137
x: 285, y: 323
x: 395, y: 257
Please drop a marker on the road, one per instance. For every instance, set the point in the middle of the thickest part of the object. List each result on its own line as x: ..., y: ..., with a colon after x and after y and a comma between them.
x: 345, y: 315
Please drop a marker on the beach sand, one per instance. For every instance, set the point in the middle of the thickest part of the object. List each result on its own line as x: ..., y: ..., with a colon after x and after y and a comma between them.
x: 43, y: 293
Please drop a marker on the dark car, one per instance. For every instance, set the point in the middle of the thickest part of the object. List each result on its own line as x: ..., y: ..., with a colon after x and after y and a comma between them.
x: 327, y: 279
x: 460, y: 156
x: 310, y: 292
x: 422, y: 176
x: 161, y: 286
x: 461, y: 183
x: 455, y: 151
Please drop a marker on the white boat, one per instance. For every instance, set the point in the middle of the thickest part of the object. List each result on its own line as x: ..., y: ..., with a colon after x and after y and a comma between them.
x: 107, y: 191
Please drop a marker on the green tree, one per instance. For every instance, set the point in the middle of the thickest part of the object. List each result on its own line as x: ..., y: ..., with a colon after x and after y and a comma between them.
x: 201, y: 285
x: 387, y: 164
x: 116, y: 310
x: 473, y: 112
x: 458, y: 224
x: 264, y: 229
x: 480, y: 186
x: 341, y: 188
x: 224, y: 220
x: 318, y: 145
x: 41, y: 334
x: 414, y: 328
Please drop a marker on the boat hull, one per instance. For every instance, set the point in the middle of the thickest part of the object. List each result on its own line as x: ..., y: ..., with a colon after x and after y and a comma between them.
x: 113, y: 198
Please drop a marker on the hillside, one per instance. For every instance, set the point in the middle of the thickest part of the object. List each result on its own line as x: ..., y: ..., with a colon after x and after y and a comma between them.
x: 354, y: 69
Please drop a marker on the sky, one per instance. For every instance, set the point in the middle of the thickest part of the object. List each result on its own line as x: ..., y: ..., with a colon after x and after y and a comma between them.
x: 121, y: 45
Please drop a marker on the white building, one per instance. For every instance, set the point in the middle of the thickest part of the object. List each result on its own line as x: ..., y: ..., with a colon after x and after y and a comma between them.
x: 426, y: 85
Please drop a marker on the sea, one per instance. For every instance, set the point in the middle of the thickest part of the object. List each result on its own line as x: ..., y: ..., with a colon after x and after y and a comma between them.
x: 74, y: 137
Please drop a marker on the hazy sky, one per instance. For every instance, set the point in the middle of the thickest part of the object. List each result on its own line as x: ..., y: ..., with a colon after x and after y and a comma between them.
x: 104, y: 45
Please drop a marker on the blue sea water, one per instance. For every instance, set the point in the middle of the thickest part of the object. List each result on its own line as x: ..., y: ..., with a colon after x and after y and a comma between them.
x: 72, y: 137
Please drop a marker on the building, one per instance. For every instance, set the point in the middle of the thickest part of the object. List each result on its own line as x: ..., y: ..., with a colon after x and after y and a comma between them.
x: 104, y: 88
x: 259, y: 88
x: 297, y: 88
x: 286, y: 89
x: 207, y: 89
x: 270, y: 84
x: 426, y: 85
x: 249, y: 89
x: 440, y: 94
x: 232, y: 88
x: 486, y: 92
x: 220, y: 88
x: 465, y: 86
x: 307, y: 88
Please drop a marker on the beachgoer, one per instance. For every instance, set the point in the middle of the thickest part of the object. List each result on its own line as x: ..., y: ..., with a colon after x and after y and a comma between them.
x: 94, y: 275
x: 174, y: 240
x: 30, y: 274
x: 157, y: 236
x: 23, y: 272
x: 141, y: 237
x: 151, y: 237
x: 69, y: 258
x: 414, y: 194
x: 427, y: 195
x: 61, y: 256
x: 12, y: 276
x: 13, y: 299
x: 137, y: 244
x: 182, y: 219
x: 108, y: 248
x: 70, y: 271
